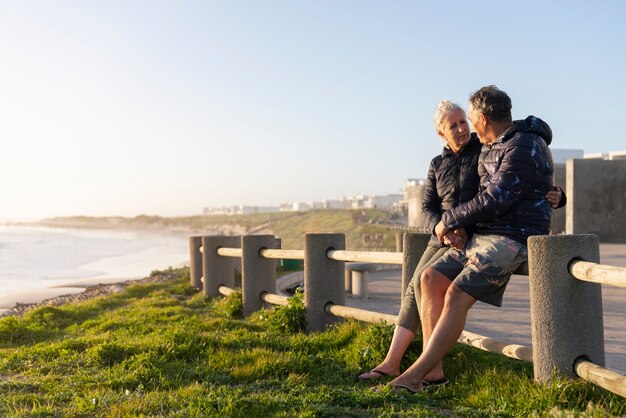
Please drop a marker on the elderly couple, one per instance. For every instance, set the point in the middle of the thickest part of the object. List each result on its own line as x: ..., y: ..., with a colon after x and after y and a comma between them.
x: 478, y: 239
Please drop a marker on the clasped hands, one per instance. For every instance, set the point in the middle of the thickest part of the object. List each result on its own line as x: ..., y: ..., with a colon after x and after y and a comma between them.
x: 456, y: 238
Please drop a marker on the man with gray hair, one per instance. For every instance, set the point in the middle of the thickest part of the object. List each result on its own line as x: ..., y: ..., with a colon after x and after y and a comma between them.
x: 516, y: 171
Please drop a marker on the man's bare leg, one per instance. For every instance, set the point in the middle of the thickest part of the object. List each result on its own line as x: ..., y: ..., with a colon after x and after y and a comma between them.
x: 402, y: 337
x: 434, y: 286
x: 444, y: 335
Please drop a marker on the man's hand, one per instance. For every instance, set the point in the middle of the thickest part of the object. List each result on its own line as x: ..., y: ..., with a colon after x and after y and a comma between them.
x: 440, y: 231
x: 554, y: 197
x: 457, y: 239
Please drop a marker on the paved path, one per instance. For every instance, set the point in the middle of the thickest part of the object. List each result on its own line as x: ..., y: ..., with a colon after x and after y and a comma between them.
x: 512, y: 321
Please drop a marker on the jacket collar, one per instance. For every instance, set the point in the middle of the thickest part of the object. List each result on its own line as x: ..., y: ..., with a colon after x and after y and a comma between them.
x: 472, y: 142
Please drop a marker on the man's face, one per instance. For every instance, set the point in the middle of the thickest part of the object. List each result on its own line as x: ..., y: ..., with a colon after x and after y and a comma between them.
x: 477, y: 124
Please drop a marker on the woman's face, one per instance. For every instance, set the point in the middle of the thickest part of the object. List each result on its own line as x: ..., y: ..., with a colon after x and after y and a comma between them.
x: 455, y: 130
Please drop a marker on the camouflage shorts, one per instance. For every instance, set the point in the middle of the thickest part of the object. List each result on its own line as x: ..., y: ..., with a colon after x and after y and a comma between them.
x: 484, y: 267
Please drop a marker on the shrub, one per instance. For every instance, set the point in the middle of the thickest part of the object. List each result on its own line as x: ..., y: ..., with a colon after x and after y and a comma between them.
x: 231, y: 306
x: 289, y: 318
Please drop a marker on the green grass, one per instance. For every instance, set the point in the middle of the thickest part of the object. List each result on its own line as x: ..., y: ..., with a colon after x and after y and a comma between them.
x: 163, y: 350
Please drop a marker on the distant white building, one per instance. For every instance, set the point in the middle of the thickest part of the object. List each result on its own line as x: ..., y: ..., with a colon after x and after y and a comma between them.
x: 413, y: 197
x: 286, y: 207
x: 357, y: 202
x: 244, y: 210
x: 223, y: 210
x: 383, y: 202
x: 342, y: 203
x: 561, y: 155
x: 390, y: 201
x: 617, y: 155
x: 239, y: 210
x: 613, y: 155
x: 300, y: 206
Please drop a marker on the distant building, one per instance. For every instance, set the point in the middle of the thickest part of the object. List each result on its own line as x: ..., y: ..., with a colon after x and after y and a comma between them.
x: 300, y: 206
x: 239, y: 210
x: 389, y: 201
x: 561, y: 155
x: 413, y: 197
x: 285, y: 207
x: 342, y: 203
x: 613, y: 155
x: 244, y: 210
x: 617, y: 155
x: 357, y: 202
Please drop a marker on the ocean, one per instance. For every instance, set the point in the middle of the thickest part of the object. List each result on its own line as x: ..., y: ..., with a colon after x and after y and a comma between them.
x: 38, y: 257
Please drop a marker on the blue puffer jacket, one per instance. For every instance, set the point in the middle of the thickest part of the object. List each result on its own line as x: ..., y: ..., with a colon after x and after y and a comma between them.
x: 452, y: 180
x: 515, y: 172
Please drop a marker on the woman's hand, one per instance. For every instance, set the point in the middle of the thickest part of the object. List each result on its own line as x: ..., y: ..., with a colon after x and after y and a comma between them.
x: 441, y: 231
x: 457, y: 239
x: 554, y: 197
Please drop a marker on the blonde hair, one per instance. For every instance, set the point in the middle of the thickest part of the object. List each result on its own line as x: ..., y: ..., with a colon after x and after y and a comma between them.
x: 443, y: 108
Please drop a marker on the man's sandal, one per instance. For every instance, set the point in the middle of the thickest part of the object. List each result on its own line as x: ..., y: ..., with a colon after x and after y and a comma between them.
x: 434, y: 383
x: 365, y: 379
x: 403, y: 388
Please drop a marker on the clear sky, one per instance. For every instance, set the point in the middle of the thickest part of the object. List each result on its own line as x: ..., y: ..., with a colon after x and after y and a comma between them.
x: 124, y: 107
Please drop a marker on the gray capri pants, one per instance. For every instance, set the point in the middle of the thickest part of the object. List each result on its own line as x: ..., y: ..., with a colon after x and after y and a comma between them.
x: 409, y: 316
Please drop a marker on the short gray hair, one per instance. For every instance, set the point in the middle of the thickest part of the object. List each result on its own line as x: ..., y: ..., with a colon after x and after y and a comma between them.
x: 493, y: 102
x: 443, y: 108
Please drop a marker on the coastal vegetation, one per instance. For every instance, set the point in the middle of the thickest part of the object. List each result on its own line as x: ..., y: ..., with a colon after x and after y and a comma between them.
x: 162, y: 349
x: 367, y: 229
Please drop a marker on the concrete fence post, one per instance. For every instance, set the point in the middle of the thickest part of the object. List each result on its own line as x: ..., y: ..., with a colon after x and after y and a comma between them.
x: 566, y: 313
x: 217, y: 270
x: 237, y: 264
x: 360, y: 284
x: 323, y: 279
x: 399, y: 241
x: 347, y: 281
x: 414, y: 245
x: 258, y: 273
x: 195, y: 262
x: 278, y: 245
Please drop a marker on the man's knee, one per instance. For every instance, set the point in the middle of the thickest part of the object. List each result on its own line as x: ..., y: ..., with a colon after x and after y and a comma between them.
x: 433, y: 279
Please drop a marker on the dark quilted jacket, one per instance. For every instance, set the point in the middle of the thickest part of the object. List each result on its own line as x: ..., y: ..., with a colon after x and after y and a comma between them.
x: 452, y: 180
x: 515, y: 175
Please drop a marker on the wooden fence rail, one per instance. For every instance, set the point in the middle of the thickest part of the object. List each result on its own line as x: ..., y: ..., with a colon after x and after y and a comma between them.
x: 598, y: 273
x: 365, y: 256
x: 283, y: 254
x: 599, y: 376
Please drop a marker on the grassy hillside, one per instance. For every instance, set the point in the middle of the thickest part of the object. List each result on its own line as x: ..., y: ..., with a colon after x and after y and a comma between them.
x: 364, y: 229
x: 163, y: 350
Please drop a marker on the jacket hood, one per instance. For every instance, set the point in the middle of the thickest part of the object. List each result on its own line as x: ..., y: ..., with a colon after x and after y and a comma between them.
x: 534, y: 125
